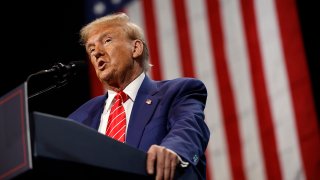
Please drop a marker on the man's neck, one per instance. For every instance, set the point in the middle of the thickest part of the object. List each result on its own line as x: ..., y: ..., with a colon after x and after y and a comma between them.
x: 122, y: 85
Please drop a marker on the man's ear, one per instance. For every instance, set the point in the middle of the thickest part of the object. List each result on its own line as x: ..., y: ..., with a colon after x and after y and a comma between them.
x: 137, y: 48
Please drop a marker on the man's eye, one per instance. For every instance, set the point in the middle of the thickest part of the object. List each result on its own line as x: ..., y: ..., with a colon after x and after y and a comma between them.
x: 107, y: 40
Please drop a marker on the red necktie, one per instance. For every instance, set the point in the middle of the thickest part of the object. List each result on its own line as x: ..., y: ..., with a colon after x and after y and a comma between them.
x: 116, y: 128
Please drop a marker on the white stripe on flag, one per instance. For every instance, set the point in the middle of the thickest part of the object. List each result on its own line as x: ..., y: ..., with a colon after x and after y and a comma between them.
x: 237, y: 59
x: 134, y: 11
x: 279, y: 91
x: 169, y: 53
x: 205, y: 70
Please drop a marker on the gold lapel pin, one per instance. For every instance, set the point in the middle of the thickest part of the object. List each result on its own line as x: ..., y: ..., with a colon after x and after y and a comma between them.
x: 148, y: 101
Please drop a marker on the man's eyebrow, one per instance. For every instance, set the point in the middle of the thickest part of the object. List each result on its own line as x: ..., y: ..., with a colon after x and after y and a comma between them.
x: 103, y: 35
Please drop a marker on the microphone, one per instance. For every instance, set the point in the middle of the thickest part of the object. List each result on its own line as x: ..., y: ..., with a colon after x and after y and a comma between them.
x: 61, y: 74
x: 61, y: 68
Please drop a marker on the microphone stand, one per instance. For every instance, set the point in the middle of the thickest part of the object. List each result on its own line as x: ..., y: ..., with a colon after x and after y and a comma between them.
x: 58, y: 85
x: 61, y: 80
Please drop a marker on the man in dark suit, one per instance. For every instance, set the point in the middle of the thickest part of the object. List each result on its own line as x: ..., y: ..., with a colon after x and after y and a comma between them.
x: 163, y: 118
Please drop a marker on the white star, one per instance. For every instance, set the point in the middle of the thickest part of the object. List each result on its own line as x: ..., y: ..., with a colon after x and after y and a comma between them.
x: 116, y: 1
x: 99, y: 8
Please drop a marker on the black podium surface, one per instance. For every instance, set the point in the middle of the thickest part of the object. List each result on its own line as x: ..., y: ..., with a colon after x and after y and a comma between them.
x: 65, y: 148
x: 38, y: 145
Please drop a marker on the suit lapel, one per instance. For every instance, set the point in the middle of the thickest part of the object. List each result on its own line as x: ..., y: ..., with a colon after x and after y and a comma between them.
x: 93, y: 118
x: 143, y: 108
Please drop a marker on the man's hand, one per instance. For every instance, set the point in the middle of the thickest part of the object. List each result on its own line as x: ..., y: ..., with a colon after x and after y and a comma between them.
x: 162, y: 160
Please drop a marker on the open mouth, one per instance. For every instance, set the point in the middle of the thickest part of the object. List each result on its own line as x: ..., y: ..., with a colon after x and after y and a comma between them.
x: 101, y: 64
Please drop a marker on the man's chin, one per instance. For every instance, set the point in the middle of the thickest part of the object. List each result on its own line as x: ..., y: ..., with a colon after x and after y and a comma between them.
x: 105, y: 76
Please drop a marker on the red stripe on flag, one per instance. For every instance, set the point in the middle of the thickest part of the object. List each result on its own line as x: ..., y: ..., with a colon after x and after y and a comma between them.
x: 225, y: 89
x: 183, y: 38
x: 96, y: 88
x: 209, y: 166
x: 299, y: 79
x: 267, y: 134
x: 151, y: 32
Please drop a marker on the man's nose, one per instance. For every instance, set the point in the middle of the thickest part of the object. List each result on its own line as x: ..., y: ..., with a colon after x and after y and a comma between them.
x: 98, y: 52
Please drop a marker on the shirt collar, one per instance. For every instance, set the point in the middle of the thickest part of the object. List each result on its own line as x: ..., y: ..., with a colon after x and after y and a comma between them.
x: 132, y: 89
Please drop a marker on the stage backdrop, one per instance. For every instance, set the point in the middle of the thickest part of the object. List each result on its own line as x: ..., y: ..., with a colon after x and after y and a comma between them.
x: 249, y: 54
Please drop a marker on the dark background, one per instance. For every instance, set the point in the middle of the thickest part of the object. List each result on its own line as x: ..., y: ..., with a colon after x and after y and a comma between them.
x: 35, y: 35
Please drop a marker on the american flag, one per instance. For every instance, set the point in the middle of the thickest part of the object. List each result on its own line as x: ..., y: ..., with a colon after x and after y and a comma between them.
x: 250, y: 55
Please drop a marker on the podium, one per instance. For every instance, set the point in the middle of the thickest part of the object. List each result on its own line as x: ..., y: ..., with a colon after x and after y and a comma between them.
x: 36, y: 145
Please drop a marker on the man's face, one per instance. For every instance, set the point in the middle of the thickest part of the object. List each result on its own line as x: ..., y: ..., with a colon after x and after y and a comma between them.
x: 110, y: 52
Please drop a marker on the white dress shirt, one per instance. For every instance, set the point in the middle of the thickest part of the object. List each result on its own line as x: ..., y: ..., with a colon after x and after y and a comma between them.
x: 131, y: 90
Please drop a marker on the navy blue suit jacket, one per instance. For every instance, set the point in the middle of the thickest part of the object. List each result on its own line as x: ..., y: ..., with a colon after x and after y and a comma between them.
x: 174, y: 119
